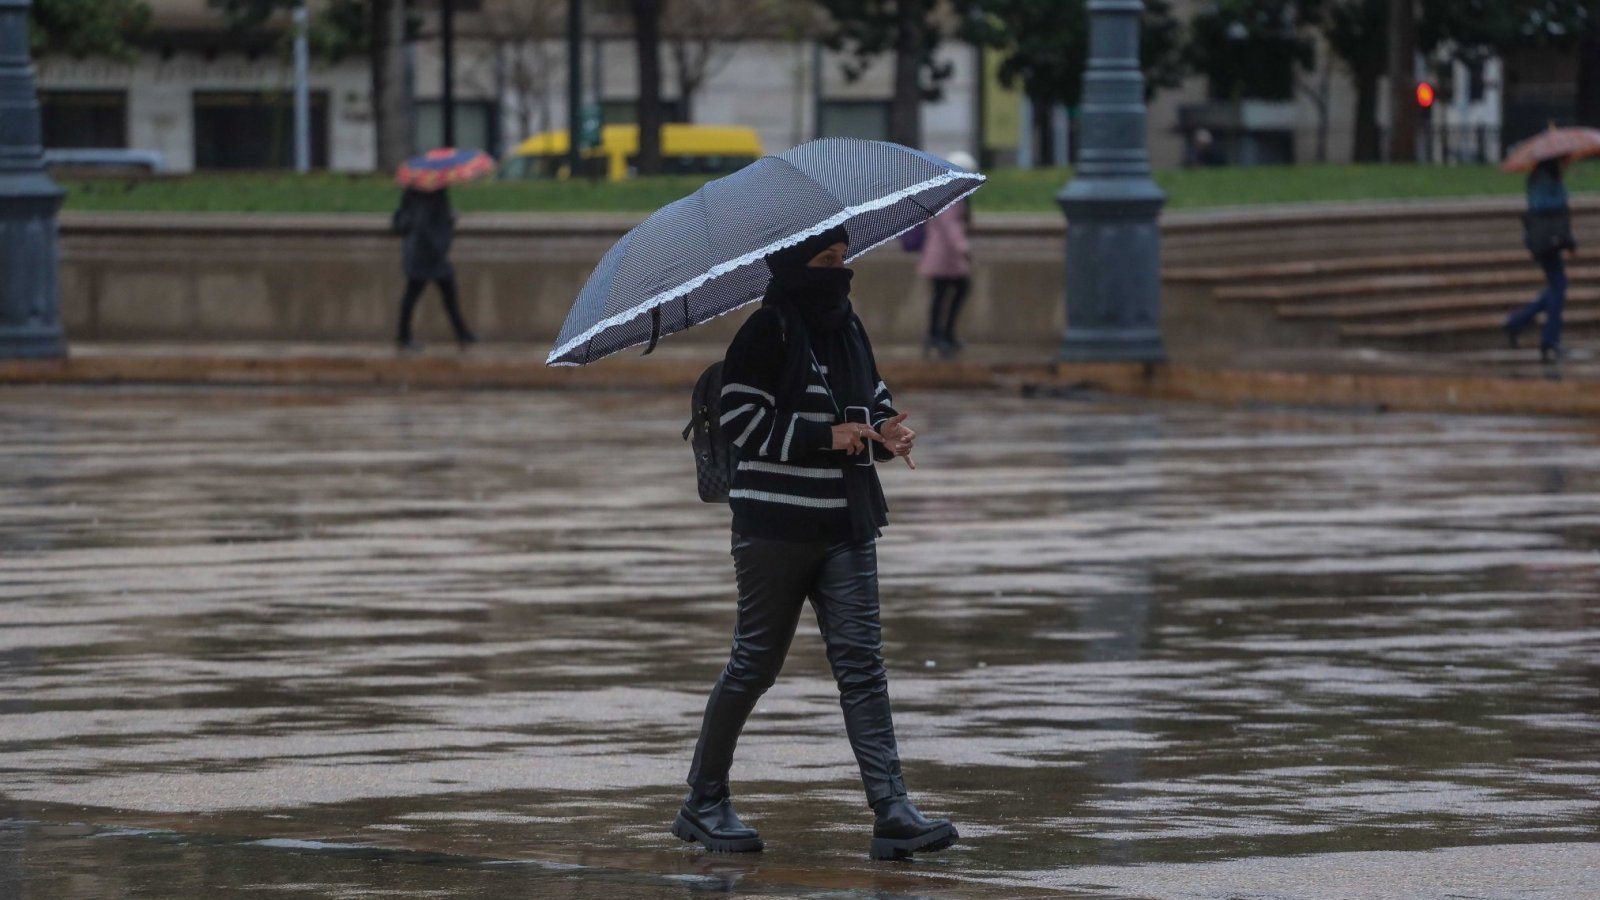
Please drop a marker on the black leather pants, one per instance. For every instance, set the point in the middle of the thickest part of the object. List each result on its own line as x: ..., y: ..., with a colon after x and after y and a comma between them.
x: 775, y: 579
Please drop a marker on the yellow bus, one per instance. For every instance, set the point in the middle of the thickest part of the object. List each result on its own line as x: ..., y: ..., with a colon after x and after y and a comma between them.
x: 685, y: 150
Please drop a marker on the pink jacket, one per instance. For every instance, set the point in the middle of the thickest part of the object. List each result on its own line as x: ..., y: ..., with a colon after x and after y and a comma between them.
x: 945, y: 253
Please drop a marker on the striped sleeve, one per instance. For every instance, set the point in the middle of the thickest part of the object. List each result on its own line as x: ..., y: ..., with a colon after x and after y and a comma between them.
x: 750, y: 414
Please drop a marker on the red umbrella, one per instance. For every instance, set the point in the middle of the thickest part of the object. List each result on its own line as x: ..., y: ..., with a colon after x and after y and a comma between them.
x: 443, y: 167
x: 1554, y: 143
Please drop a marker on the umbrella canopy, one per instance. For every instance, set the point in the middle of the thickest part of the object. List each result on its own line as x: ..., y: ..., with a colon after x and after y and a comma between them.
x: 442, y: 168
x: 701, y: 257
x: 1554, y: 143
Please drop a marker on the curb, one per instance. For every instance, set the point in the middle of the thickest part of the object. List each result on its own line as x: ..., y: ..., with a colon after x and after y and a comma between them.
x: 1180, y: 382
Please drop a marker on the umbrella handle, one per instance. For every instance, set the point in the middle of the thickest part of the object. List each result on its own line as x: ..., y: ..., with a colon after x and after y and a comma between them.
x: 655, y: 330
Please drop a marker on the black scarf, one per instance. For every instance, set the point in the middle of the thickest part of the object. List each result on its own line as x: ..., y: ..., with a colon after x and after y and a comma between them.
x: 820, y: 324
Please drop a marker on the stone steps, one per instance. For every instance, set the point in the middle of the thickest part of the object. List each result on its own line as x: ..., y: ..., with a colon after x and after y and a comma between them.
x: 1434, y: 299
x: 1420, y: 307
x: 1343, y: 266
x: 1442, y: 327
x: 1521, y: 277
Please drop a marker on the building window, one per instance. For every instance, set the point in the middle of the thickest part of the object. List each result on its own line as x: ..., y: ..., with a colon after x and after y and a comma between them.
x: 853, y: 118
x: 476, y: 122
x: 626, y: 112
x: 84, y: 118
x: 254, y: 130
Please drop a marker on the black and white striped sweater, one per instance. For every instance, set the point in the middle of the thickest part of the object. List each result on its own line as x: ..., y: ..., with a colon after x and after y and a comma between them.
x: 790, y: 482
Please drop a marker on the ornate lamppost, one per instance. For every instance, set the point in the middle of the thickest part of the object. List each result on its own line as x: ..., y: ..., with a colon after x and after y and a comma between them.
x: 30, y: 314
x: 1112, y: 205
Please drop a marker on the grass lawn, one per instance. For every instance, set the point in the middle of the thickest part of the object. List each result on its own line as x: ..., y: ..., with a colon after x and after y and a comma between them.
x: 1007, y: 190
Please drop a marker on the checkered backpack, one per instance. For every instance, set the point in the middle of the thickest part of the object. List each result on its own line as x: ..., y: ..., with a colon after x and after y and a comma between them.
x: 714, y: 456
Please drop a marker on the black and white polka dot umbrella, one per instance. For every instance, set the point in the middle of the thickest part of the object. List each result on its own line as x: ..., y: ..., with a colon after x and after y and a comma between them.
x: 701, y: 257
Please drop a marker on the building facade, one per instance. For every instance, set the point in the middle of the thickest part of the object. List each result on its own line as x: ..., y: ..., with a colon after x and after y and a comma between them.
x: 208, y: 97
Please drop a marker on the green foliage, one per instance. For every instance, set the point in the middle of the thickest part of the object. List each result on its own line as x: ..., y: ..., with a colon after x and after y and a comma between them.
x: 1251, y: 49
x: 86, y: 27
x: 1358, y: 32
x: 1474, y: 29
x: 342, y: 29
x: 867, y: 29
x: 338, y: 30
x: 1046, y: 44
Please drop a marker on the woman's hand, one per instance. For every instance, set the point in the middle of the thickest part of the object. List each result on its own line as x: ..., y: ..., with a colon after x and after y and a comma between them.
x: 851, y: 437
x: 899, y: 439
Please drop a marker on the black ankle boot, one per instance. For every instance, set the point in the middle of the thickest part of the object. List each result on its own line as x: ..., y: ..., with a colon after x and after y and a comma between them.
x: 712, y: 821
x: 901, y: 830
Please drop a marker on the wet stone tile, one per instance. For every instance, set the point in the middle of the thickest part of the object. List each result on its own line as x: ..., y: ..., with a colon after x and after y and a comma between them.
x: 444, y: 645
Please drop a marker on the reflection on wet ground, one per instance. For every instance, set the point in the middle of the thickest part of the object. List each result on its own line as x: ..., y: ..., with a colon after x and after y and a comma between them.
x: 331, y: 645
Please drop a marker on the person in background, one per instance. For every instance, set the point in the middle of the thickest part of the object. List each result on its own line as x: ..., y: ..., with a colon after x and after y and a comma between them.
x: 947, y: 262
x: 1203, y: 150
x: 1546, y: 231
x: 427, y: 225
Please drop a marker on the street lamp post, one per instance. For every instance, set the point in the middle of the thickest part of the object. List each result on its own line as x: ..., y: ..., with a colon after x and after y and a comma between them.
x: 30, y: 313
x: 302, y: 91
x: 1112, y: 205
x: 575, y: 86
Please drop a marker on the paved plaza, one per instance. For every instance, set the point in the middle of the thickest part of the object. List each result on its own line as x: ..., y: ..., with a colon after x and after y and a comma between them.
x: 294, y: 643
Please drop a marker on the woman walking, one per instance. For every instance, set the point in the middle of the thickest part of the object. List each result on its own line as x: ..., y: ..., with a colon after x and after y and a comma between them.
x: 947, y: 262
x: 807, y: 510
x: 427, y: 224
x: 1547, y: 230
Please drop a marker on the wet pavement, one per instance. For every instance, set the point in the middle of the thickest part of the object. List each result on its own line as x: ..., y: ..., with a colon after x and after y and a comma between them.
x: 286, y: 644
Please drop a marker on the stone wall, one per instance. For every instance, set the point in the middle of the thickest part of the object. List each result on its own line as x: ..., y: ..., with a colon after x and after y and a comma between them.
x: 337, y: 278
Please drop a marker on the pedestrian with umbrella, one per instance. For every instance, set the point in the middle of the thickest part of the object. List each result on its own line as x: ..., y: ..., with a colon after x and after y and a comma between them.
x: 427, y: 225
x: 804, y: 414
x: 1547, y: 225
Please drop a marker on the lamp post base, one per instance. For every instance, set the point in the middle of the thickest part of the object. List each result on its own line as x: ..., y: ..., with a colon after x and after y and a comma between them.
x: 1113, y: 270
x: 1113, y: 345
x: 33, y: 343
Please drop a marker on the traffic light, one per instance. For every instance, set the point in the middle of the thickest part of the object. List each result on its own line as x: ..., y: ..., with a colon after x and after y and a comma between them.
x: 1425, y: 95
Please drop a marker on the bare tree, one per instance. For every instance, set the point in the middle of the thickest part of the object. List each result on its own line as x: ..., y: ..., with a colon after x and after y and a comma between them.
x: 390, y: 115
x: 1320, y: 92
x: 703, y: 35
x: 527, y: 35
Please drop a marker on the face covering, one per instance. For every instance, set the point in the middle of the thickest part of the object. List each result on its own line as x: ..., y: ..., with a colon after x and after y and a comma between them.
x: 822, y: 297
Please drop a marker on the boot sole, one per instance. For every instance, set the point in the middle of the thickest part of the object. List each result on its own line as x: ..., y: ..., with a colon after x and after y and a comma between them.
x: 685, y: 830
x: 902, y: 848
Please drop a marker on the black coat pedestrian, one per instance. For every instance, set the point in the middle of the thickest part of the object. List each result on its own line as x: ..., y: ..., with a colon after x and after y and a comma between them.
x: 428, y: 225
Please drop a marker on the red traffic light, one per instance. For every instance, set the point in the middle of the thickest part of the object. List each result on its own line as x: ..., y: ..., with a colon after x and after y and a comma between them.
x: 1425, y: 95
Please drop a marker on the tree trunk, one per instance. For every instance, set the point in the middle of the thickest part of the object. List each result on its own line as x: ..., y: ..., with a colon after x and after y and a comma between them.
x: 1044, y: 132
x: 1589, y: 74
x: 647, y: 35
x: 391, y: 118
x: 905, y: 111
x: 1367, y: 148
x: 688, y: 79
x: 1402, y: 82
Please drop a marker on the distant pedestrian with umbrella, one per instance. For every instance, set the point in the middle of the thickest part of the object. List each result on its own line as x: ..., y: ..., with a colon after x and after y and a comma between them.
x: 802, y: 414
x: 1547, y: 226
x: 426, y: 223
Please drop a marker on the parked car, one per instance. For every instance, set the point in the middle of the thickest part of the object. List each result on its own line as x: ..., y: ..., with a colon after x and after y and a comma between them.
x: 104, y: 161
x: 685, y: 150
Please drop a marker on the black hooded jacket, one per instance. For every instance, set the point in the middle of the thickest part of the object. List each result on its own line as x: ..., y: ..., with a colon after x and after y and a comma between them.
x: 784, y: 388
